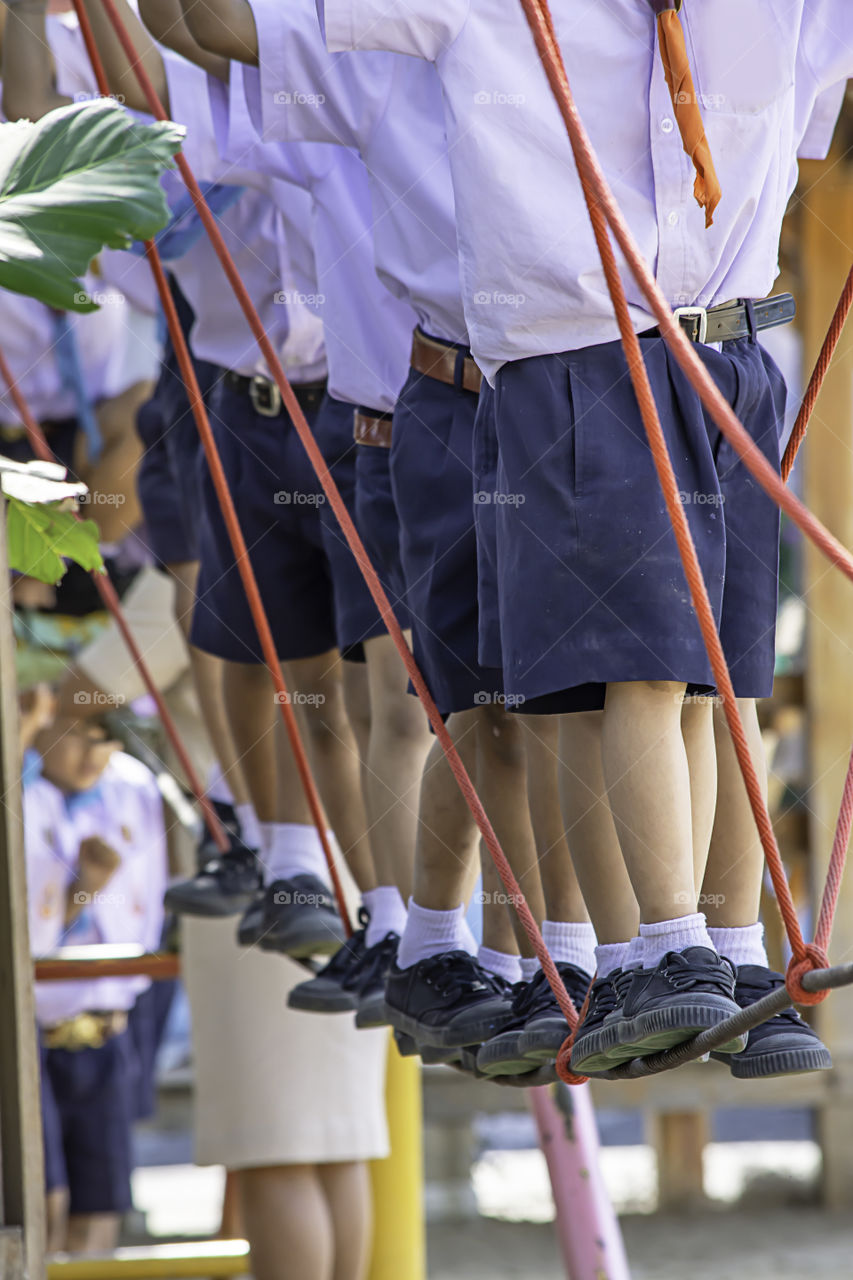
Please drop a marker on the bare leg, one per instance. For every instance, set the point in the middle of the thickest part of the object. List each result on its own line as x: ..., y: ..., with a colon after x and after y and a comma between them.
x: 317, y: 683
x: 399, y: 742
x: 208, y: 677
x: 502, y: 784
x: 732, y: 885
x: 595, y: 849
x: 250, y: 706
x: 498, y: 913
x: 288, y: 1223
x: 648, y: 784
x: 697, y: 727
x: 93, y: 1232
x: 346, y: 1186
x: 563, y: 898
x: 446, y: 855
x: 56, y: 1215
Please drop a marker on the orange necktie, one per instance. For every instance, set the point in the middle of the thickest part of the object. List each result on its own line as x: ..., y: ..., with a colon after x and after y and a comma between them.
x: 679, y: 78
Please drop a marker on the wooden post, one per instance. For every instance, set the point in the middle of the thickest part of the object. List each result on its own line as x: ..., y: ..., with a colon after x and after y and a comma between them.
x: 679, y: 1139
x: 21, y: 1160
x: 827, y: 219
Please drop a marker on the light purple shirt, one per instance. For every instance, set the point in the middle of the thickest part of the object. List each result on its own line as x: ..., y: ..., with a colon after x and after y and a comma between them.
x: 126, y: 811
x: 367, y: 330
x: 389, y: 109
x: 531, y: 277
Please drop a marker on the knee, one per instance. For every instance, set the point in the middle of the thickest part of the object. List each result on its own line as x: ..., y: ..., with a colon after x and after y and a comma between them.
x: 500, y: 737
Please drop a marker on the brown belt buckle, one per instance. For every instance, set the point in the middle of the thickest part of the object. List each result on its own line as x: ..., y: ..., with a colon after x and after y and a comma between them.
x: 265, y: 396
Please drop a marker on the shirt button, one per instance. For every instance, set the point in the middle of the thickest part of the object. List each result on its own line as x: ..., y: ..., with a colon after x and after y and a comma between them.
x: 672, y: 219
x: 666, y: 125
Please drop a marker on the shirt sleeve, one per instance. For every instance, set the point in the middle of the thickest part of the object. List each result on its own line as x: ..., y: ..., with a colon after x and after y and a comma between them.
x: 200, y: 104
x: 421, y: 28
x: 305, y: 93
x: 826, y: 41
x: 819, y: 131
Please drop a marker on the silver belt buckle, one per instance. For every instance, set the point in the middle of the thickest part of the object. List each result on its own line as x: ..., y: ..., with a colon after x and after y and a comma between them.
x: 694, y: 313
x: 265, y: 396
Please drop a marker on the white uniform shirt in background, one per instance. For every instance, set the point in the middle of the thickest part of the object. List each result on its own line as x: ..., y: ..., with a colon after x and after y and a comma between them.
x: 125, y: 810
x: 531, y: 277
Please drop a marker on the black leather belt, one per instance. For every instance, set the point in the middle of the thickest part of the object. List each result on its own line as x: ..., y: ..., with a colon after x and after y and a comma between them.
x: 372, y: 428
x: 729, y: 320
x: 266, y: 397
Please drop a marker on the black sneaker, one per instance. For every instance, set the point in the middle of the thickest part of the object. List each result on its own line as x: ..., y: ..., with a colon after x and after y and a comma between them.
x: 501, y: 1055
x: 447, y: 1001
x: 207, y: 849
x: 598, y: 1033
x: 223, y: 887
x: 546, y: 1027
x: 369, y: 982
x: 329, y: 992
x: 689, y: 991
x: 302, y: 918
x: 785, y: 1045
x: 408, y: 1047
x: 252, y: 924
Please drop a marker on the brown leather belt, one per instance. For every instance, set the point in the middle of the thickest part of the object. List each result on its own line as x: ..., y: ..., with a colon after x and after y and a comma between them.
x: 445, y: 362
x: 372, y: 428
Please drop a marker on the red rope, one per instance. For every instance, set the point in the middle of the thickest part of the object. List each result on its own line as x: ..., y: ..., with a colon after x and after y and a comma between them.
x: 602, y: 209
x: 106, y: 590
x: 830, y: 342
x: 350, y: 533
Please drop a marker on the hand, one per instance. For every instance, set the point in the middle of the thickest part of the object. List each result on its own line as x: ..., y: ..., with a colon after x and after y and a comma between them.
x: 38, y: 708
x: 97, y: 862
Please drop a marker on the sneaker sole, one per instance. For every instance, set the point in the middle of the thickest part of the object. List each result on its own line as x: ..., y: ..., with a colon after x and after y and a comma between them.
x: 785, y: 1062
x: 447, y: 1037
x: 301, y: 944
x: 592, y: 1052
x: 318, y: 1002
x: 662, y: 1029
x: 544, y: 1074
x: 209, y: 908
x: 370, y: 1013
x: 503, y: 1059
x: 542, y: 1044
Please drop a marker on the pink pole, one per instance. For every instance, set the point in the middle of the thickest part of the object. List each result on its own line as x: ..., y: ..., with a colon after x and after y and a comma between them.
x: 590, y: 1238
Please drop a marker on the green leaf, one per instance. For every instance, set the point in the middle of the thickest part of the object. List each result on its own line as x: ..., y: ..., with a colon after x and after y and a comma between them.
x: 82, y: 177
x: 40, y: 535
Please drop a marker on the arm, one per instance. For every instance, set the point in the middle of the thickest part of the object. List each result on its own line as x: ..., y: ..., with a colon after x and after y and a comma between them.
x: 166, y: 23
x: 223, y: 27
x: 29, y: 90
x: 120, y: 76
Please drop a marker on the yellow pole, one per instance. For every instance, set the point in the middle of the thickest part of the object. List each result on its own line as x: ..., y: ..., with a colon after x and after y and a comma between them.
x: 399, y: 1233
x: 204, y: 1259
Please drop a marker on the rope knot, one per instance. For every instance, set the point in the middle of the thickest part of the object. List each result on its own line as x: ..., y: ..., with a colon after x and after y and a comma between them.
x: 815, y: 958
x: 564, y: 1062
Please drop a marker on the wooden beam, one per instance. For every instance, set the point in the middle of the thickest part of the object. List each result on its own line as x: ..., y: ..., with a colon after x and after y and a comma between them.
x: 21, y: 1160
x: 827, y: 219
x: 679, y: 1139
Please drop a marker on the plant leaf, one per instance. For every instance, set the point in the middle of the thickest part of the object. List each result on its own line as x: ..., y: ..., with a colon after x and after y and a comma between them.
x: 82, y: 177
x: 40, y: 535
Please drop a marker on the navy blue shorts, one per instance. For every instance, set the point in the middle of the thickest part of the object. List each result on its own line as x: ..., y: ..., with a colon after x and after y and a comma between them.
x: 432, y: 480
x: 278, y: 498
x: 486, y: 498
x: 378, y: 523
x: 169, y: 477
x: 356, y: 616
x: 87, y: 1103
x: 590, y: 584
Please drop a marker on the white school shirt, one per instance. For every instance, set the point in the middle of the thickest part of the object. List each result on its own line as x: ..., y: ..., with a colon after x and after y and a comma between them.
x: 389, y: 109
x: 271, y: 247
x: 531, y: 276
x: 125, y: 810
x: 368, y: 331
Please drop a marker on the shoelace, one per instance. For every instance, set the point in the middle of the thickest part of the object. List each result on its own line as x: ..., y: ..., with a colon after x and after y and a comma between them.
x: 373, y: 965
x: 345, y: 957
x: 746, y: 994
x: 719, y: 979
x: 455, y: 974
x: 606, y: 996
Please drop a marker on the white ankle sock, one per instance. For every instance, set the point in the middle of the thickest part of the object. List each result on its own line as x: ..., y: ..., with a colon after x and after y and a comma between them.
x: 217, y: 788
x: 291, y: 849
x: 500, y: 962
x: 570, y: 942
x: 673, y: 935
x: 529, y: 968
x: 742, y: 945
x: 610, y: 956
x: 635, y: 954
x: 468, y: 943
x: 429, y: 933
x: 250, y: 828
x: 387, y: 912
